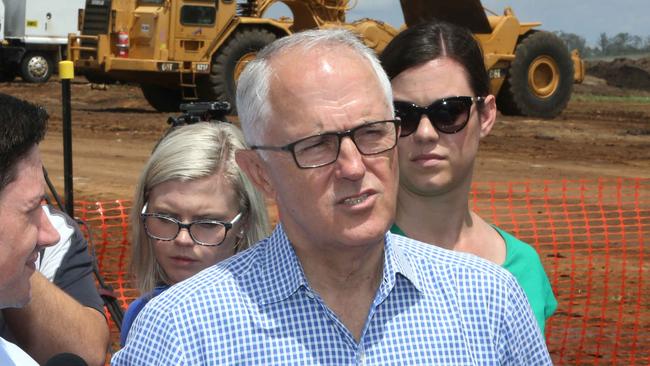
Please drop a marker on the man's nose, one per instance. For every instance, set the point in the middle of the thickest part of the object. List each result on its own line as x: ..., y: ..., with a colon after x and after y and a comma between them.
x: 47, y: 234
x: 350, y: 161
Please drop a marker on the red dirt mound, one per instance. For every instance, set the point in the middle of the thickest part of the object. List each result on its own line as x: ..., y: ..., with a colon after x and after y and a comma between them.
x: 623, y: 72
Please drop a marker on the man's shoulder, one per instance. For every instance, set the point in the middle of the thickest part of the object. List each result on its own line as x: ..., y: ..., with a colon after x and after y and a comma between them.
x: 437, y: 264
x: 434, y: 255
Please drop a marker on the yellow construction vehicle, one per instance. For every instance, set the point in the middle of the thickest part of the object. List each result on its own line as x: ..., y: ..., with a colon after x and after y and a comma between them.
x: 531, y: 71
x: 184, y: 50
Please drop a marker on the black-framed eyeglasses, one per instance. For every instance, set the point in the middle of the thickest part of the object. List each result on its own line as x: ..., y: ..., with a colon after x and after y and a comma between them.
x: 206, y: 232
x: 447, y: 115
x: 323, y: 149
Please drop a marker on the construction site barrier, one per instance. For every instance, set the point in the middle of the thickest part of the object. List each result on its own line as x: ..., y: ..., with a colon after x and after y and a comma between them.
x: 590, y: 234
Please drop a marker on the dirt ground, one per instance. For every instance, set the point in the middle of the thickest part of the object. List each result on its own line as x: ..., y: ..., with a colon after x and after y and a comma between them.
x: 115, y: 129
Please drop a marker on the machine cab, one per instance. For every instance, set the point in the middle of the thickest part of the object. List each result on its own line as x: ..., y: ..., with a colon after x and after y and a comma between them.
x: 174, y: 30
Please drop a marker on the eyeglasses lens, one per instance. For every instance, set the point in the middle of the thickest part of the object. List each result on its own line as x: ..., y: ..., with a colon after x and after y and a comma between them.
x: 447, y: 115
x: 209, y: 233
x: 160, y: 227
x: 316, y: 150
x: 375, y: 138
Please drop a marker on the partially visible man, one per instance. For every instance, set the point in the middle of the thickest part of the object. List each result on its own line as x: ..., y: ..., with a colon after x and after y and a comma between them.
x: 53, y: 321
x: 24, y: 227
x: 330, y: 286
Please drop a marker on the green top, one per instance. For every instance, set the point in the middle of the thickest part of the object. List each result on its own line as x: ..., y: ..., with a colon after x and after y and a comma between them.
x: 524, y: 264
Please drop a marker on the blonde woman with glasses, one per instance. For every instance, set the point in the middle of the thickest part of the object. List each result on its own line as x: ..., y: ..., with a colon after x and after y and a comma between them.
x: 193, y: 207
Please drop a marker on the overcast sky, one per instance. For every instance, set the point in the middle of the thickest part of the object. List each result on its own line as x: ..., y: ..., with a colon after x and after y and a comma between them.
x: 587, y: 18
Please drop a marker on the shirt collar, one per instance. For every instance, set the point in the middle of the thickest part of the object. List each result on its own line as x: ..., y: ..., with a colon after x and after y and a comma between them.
x: 282, y: 274
x: 396, y: 262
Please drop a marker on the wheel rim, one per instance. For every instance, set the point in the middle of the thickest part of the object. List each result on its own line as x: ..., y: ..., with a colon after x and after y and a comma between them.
x: 37, y: 66
x: 543, y: 76
x: 241, y: 64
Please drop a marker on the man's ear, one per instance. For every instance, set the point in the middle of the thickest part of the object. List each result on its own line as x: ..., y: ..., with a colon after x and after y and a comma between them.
x: 488, y: 115
x: 251, y: 163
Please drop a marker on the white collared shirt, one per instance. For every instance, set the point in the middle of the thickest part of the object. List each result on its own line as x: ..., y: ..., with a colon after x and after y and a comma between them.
x: 12, y: 355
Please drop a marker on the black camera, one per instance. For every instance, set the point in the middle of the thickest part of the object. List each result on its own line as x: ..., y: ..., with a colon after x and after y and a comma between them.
x: 200, y: 112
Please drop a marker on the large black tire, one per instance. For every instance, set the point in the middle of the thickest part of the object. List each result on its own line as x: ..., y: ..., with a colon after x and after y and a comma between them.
x: 36, y: 67
x: 229, y: 61
x: 540, y: 78
x: 161, y: 98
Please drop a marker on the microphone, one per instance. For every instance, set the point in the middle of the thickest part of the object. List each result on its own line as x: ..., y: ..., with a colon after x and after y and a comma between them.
x: 66, y: 359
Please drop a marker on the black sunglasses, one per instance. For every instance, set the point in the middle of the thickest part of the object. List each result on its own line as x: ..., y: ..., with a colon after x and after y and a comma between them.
x: 448, y: 115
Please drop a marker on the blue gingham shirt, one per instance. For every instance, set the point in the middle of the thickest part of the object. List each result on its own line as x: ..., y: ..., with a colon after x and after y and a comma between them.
x: 433, y: 307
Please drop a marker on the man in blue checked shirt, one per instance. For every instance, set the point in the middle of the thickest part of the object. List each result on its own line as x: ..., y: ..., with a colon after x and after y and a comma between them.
x: 330, y: 286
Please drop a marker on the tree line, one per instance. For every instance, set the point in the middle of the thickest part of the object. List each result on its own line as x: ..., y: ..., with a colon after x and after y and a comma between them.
x: 617, y: 45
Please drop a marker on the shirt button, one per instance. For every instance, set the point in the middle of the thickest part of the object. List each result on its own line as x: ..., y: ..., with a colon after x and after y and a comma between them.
x: 309, y: 294
x: 361, y: 359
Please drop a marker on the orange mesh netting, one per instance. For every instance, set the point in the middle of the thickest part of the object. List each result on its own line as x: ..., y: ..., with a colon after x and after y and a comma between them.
x: 590, y: 234
x: 108, y: 223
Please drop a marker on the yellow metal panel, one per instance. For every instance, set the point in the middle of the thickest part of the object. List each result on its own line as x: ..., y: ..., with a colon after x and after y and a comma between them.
x: 526, y: 27
x: 143, y: 34
x: 500, y: 44
x: 132, y: 64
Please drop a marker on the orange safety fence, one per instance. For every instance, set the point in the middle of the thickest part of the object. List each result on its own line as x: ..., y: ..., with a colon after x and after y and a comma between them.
x: 590, y: 234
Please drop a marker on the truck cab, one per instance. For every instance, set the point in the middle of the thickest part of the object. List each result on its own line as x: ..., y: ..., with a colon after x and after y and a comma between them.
x: 34, y: 36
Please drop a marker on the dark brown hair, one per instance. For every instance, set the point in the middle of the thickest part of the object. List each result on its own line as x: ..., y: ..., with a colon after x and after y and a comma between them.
x: 22, y: 125
x: 436, y: 39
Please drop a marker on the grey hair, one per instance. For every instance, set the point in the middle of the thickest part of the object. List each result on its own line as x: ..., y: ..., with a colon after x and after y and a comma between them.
x: 188, y: 153
x: 253, y: 102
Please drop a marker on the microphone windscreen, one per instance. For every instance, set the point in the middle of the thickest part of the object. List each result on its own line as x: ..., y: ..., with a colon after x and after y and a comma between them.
x: 66, y: 359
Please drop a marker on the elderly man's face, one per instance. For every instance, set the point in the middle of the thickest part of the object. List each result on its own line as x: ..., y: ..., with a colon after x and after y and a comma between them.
x: 352, y: 201
x: 24, y: 229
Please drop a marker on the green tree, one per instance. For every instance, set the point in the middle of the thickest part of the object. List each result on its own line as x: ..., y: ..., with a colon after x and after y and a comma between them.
x: 625, y: 44
x: 603, y: 44
x: 573, y: 41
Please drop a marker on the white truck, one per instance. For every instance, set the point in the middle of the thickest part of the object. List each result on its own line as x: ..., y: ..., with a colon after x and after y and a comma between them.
x: 34, y: 36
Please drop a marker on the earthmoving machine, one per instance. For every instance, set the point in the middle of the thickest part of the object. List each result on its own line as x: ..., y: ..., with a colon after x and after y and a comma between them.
x: 34, y: 35
x: 184, y: 50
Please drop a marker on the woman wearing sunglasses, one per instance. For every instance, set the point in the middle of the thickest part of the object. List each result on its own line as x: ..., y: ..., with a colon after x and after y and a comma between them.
x: 441, y: 94
x: 193, y: 207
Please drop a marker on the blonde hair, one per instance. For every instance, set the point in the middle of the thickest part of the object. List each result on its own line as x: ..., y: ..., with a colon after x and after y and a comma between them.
x: 188, y: 153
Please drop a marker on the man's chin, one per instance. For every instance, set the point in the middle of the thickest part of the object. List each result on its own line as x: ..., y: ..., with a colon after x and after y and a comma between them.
x: 364, y: 235
x: 346, y: 231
